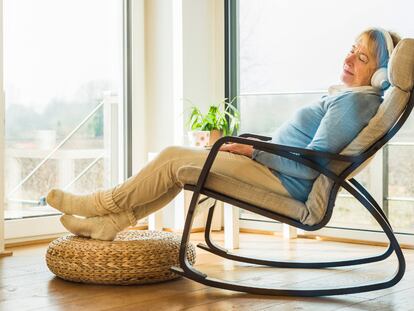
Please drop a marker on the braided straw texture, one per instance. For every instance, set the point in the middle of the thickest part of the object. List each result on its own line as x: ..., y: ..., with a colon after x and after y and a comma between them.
x: 134, y: 257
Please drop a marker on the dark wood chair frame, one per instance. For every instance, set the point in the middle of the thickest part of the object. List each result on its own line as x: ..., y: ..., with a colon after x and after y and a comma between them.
x: 304, y: 156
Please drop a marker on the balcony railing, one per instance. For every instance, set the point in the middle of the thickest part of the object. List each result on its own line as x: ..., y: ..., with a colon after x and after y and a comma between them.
x: 32, y: 171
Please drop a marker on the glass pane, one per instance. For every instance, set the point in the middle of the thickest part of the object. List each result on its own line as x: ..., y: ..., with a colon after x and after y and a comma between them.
x: 270, y: 110
x: 406, y: 133
x: 349, y: 213
x: 63, y: 63
x: 289, y: 58
x: 401, y: 182
x: 296, y: 46
x: 400, y: 171
x: 401, y: 216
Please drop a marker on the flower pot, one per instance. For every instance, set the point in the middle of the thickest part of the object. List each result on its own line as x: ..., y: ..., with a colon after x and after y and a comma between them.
x: 214, y: 136
x: 199, y: 138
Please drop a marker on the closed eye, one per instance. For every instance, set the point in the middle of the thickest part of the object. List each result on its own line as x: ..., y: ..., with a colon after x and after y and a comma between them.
x: 363, y: 58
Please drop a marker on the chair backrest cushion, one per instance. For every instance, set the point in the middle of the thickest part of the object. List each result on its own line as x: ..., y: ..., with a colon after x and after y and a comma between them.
x: 401, y: 75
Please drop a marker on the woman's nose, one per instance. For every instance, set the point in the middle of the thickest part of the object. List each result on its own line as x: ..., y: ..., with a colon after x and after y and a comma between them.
x: 350, y: 58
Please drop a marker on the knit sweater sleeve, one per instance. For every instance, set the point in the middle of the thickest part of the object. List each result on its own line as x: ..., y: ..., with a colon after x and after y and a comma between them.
x: 344, y: 118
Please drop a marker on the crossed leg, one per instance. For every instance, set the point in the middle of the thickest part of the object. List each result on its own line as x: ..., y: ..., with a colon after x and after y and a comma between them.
x: 110, y: 211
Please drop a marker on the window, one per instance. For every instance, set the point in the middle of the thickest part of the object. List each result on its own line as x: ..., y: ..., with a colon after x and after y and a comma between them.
x: 288, y: 53
x: 63, y: 72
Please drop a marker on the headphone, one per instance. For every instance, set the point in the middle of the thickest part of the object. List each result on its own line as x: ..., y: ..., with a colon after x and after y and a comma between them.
x: 380, y: 77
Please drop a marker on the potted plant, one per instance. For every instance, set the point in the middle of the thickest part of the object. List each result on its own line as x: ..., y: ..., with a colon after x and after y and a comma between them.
x: 221, y: 119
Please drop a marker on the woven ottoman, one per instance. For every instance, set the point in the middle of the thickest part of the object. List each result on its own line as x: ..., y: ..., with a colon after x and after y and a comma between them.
x: 134, y: 257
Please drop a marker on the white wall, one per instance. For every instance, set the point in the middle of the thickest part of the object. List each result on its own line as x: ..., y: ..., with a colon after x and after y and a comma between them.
x: 203, y: 52
x: 200, y: 56
x: 183, y: 58
x: 158, y: 74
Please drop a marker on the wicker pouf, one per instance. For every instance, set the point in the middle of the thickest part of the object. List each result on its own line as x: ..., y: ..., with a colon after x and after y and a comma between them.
x: 134, y: 257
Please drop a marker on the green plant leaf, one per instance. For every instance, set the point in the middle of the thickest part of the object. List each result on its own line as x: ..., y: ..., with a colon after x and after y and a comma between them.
x: 223, y: 116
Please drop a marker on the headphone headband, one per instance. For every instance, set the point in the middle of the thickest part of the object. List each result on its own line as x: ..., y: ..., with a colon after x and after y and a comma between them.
x: 388, y: 40
x: 380, y: 77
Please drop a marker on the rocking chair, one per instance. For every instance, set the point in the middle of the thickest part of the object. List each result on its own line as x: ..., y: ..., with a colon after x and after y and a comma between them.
x: 316, y: 212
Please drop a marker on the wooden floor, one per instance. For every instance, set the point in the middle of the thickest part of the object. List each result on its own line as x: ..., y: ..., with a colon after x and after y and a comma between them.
x: 27, y: 284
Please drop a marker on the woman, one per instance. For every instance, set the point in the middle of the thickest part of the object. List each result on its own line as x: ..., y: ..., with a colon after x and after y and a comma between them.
x: 328, y: 125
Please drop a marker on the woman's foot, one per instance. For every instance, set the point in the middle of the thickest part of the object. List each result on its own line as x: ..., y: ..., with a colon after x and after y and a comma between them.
x: 95, y: 204
x: 99, y: 227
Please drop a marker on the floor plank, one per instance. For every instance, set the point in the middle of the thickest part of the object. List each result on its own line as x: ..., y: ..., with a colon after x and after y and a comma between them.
x: 27, y: 284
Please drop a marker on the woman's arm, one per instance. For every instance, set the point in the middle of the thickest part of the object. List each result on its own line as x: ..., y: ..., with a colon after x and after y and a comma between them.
x: 284, y: 165
x: 345, y: 117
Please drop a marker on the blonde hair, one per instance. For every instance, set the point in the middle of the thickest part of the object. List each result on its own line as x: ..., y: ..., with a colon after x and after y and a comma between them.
x: 376, y: 44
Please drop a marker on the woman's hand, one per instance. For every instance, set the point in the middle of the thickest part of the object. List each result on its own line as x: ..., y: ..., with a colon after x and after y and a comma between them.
x: 245, y: 150
x: 242, y: 149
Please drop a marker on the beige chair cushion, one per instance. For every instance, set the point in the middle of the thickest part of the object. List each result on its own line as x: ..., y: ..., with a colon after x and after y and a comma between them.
x: 245, y: 192
x: 400, y: 71
x: 401, y: 74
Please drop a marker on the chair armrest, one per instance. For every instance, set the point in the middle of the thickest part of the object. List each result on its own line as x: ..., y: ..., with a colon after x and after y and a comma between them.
x: 300, y: 155
x: 261, y: 137
x: 276, y: 148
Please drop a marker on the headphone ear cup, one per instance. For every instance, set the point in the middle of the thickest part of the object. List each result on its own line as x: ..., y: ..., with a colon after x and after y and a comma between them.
x: 380, y: 79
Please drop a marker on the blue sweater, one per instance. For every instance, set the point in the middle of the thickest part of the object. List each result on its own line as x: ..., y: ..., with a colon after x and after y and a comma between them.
x: 327, y: 125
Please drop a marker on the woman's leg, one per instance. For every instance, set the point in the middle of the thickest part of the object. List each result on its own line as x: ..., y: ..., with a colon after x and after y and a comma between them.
x: 154, y: 180
x: 146, y: 192
x: 156, y: 184
x: 160, y: 177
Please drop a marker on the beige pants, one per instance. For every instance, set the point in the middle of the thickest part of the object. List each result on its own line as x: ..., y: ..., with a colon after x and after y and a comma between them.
x: 157, y: 183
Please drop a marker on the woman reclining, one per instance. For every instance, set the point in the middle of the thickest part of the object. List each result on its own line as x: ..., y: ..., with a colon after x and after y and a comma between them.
x: 327, y: 125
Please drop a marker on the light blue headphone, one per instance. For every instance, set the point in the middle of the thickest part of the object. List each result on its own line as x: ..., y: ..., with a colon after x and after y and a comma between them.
x: 380, y: 77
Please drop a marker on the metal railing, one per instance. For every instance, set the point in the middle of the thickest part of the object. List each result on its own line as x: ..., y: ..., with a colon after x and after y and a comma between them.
x: 42, y: 200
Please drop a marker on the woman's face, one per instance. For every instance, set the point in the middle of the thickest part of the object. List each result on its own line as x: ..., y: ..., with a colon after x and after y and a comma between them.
x: 359, y: 65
